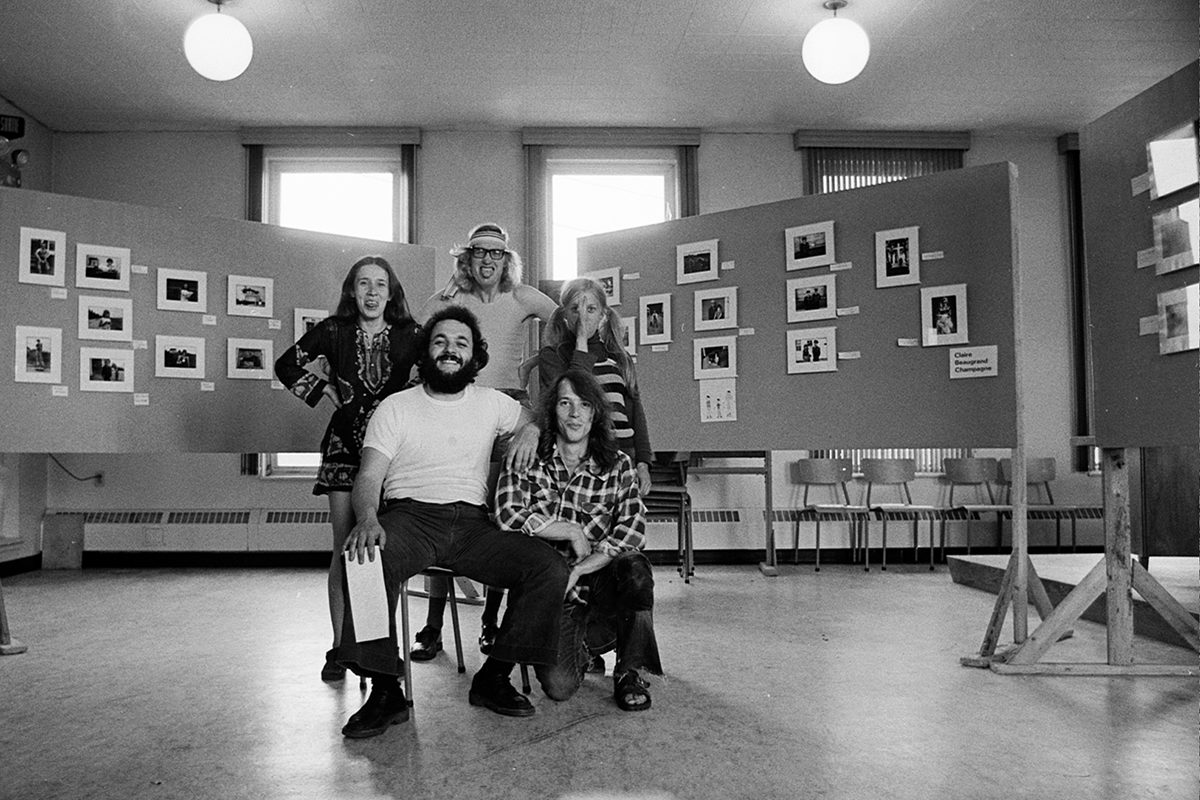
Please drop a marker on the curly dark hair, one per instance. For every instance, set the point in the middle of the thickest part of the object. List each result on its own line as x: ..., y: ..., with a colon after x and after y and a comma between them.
x: 602, y: 444
x: 479, y: 350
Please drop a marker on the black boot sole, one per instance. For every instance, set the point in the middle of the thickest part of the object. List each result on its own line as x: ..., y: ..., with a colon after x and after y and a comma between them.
x: 367, y: 733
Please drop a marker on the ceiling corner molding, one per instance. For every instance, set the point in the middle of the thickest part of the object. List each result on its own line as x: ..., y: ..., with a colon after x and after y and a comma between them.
x: 920, y: 140
x: 610, y: 137
x: 330, y: 136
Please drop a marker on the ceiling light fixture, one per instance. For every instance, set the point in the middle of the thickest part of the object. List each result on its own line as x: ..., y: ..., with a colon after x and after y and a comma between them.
x: 217, y: 45
x: 835, y: 50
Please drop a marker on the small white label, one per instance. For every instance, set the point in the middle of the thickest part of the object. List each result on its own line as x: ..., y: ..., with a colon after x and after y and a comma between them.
x: 1147, y: 257
x: 275, y: 384
x: 973, y: 362
x: 841, y: 266
x: 726, y: 265
x: 933, y: 255
x: 1139, y: 184
x: 848, y: 311
x: 58, y: 293
x: 207, y: 386
x: 631, y: 276
x: 274, y: 325
x: 908, y: 343
x: 1148, y: 326
x: 58, y: 391
x: 139, y: 344
x: 139, y: 269
x: 660, y: 348
x: 208, y: 319
x: 849, y: 355
x: 141, y: 399
x: 745, y: 331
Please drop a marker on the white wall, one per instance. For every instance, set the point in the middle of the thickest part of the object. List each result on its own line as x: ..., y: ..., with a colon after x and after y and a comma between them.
x: 467, y: 177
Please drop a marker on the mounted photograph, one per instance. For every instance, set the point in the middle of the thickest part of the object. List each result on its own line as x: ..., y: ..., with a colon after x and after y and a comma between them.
x: 250, y: 359
x: 696, y: 262
x: 610, y: 280
x: 1177, y: 237
x: 944, y: 315
x: 655, y: 316
x: 714, y: 357
x: 105, y: 369
x: 305, y: 319
x: 41, y: 257
x: 897, y: 257
x: 715, y: 309
x: 182, y: 290
x: 1179, y: 320
x: 812, y: 350
x: 38, y: 355
x: 812, y: 298
x: 179, y: 357
x: 250, y: 297
x: 629, y: 335
x: 101, y: 267
x: 108, y: 319
x: 809, y: 245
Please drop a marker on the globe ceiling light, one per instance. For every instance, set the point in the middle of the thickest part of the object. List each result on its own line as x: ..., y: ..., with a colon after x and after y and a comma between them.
x: 835, y: 50
x: 218, y: 46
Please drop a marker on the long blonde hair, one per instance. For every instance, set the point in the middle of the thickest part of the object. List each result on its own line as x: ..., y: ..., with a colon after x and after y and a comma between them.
x: 560, y: 333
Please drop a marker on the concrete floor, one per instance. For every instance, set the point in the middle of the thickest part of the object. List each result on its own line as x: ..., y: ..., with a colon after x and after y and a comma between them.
x: 204, y: 684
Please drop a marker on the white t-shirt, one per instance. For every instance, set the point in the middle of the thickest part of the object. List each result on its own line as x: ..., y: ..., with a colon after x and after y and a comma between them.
x: 439, y: 449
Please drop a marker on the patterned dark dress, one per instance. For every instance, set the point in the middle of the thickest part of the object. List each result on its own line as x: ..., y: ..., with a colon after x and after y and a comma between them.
x: 363, y: 369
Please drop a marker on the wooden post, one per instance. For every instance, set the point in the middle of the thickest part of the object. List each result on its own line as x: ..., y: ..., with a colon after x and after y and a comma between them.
x: 1118, y: 594
x: 770, y: 566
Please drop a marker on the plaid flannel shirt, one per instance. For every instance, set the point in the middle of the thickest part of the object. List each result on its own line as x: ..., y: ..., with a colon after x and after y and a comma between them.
x: 606, y: 505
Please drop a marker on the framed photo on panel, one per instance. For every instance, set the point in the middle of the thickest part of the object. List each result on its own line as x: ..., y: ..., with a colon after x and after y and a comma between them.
x: 655, y: 314
x: 250, y: 359
x: 100, y: 267
x: 1179, y: 320
x: 944, y: 315
x: 812, y: 350
x: 897, y: 257
x: 810, y: 299
x: 250, y: 297
x: 305, y: 319
x: 629, y: 334
x: 715, y: 309
x: 809, y: 245
x: 105, y: 369
x: 1172, y: 159
x: 38, y: 355
x: 182, y: 290
x: 714, y: 357
x: 1177, y: 237
x: 696, y: 262
x: 41, y: 257
x: 109, y: 319
x: 179, y: 357
x: 610, y: 279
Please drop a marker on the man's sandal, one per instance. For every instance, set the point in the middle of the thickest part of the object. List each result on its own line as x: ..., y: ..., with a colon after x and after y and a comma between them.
x: 630, y: 691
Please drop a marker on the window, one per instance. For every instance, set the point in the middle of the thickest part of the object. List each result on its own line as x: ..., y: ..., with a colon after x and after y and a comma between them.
x: 363, y: 192
x: 585, y: 196
x: 835, y: 169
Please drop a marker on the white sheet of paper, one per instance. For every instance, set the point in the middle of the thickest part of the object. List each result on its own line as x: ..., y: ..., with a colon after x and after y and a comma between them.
x: 368, y: 597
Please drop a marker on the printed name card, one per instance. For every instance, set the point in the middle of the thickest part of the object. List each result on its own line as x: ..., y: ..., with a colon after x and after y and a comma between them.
x: 1147, y: 257
x: 933, y: 255
x: 58, y: 293
x: 908, y: 343
x: 849, y: 355
x: 276, y: 384
x: 59, y: 391
x: 139, y: 269
x: 745, y: 331
x: 848, y: 311
x: 841, y: 266
x: 1148, y: 326
x: 207, y: 386
x: 208, y: 319
x: 973, y: 362
x: 726, y: 265
x: 139, y: 344
x: 660, y: 348
x: 141, y: 399
x: 631, y: 276
x: 274, y: 325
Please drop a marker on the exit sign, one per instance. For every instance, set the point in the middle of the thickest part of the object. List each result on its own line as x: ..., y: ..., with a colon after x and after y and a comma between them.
x: 12, y: 127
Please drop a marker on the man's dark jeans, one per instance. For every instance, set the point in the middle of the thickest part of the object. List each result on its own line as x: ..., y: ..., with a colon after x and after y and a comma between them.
x: 461, y: 537
x: 620, y: 610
